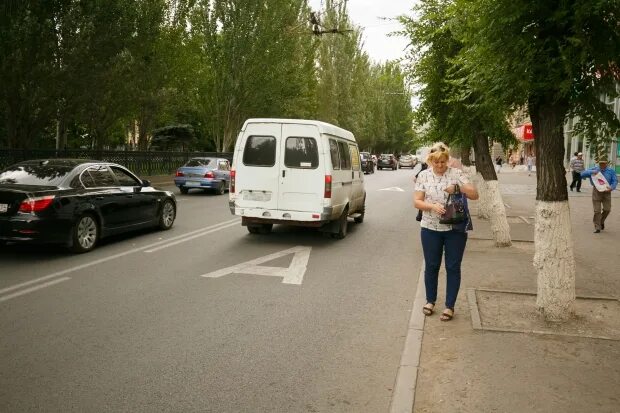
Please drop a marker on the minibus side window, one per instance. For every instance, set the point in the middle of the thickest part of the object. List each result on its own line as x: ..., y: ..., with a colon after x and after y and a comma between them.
x: 260, y: 151
x: 355, y: 157
x: 301, y: 153
x: 345, y: 156
x: 333, y: 151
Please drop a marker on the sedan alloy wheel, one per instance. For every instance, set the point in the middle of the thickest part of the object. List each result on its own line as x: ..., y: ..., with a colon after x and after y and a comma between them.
x: 85, y: 234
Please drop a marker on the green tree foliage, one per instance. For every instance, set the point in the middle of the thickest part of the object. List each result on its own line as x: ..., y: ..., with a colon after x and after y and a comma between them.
x: 28, y: 92
x: 454, y: 110
x: 88, y: 73
x: 556, y: 57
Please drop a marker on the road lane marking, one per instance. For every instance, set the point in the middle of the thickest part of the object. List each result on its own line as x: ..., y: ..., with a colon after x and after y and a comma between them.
x: 294, y: 274
x: 170, y: 244
x: 111, y: 257
x: 35, y: 288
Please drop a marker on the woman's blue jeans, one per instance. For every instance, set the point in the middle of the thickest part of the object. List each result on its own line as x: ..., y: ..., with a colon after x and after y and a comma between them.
x: 433, y: 244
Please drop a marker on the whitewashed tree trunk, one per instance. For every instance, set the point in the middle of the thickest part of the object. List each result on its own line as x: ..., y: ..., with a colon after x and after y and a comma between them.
x: 497, y: 215
x: 554, y: 260
x: 484, y: 203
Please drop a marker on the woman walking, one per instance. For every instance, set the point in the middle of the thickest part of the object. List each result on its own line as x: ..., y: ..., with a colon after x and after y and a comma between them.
x: 431, y: 193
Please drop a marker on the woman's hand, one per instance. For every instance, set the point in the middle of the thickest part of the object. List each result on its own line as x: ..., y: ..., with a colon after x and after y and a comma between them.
x: 450, y: 189
x: 438, y: 209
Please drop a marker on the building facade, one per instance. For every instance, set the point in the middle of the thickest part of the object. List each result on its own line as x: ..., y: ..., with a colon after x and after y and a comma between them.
x: 575, y: 143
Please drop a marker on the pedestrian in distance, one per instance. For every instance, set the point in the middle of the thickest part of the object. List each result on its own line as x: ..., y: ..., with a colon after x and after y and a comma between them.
x: 577, y: 166
x: 530, y: 164
x: 432, y: 188
x: 601, y: 192
x: 498, y: 164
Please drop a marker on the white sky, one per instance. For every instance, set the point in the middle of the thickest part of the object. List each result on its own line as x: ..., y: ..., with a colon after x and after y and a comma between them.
x: 368, y: 14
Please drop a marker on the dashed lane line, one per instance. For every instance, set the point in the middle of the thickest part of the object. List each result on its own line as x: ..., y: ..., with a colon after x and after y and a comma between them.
x: 192, y: 234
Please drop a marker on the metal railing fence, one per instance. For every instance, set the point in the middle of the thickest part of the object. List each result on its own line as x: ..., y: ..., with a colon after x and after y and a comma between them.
x: 143, y: 163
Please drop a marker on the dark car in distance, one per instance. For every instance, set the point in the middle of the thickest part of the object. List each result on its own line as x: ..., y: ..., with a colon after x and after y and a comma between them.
x: 76, y: 202
x: 387, y: 161
x: 368, y: 165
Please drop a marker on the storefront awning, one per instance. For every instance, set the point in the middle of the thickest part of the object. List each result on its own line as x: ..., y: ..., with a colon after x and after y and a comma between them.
x: 524, y: 132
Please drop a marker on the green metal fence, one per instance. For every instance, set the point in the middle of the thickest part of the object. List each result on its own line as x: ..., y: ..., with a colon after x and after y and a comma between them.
x: 140, y: 162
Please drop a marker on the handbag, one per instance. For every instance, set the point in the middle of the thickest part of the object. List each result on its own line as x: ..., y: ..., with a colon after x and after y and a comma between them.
x: 455, y: 208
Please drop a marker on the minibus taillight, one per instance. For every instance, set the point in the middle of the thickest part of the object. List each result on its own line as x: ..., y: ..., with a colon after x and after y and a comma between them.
x: 328, y: 186
x: 233, y: 174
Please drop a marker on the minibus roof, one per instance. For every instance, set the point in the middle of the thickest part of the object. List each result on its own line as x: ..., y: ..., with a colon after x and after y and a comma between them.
x: 324, y: 128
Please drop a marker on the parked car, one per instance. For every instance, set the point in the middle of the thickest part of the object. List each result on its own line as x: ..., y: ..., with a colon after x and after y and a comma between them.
x: 211, y: 174
x: 407, y: 161
x: 296, y: 172
x: 387, y: 161
x: 77, y: 202
x: 368, y: 166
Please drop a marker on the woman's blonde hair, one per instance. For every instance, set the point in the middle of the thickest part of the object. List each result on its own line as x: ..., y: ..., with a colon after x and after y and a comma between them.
x: 439, y: 151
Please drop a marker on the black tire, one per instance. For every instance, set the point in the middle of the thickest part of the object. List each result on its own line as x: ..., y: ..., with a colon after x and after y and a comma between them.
x: 85, y: 234
x: 360, y: 219
x: 221, y: 188
x: 253, y: 229
x: 167, y: 215
x: 343, y: 225
x: 183, y: 190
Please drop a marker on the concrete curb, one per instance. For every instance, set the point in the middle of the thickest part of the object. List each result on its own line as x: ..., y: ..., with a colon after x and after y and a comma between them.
x: 403, y: 396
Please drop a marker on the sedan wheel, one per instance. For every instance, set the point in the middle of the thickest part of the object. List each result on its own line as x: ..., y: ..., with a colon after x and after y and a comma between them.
x: 221, y: 188
x: 85, y: 234
x: 167, y: 216
x: 184, y: 190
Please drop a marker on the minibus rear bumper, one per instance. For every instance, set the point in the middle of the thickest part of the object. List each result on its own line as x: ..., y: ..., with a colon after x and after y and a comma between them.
x: 276, y: 216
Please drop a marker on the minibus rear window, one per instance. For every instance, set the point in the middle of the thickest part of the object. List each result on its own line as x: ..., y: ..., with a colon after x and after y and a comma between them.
x: 260, y: 151
x: 301, y: 153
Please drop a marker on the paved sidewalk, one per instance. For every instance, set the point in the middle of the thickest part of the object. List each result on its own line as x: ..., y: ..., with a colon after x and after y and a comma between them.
x: 463, y: 369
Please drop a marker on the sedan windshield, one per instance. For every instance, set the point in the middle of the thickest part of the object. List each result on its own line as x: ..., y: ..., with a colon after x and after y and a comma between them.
x: 43, y: 174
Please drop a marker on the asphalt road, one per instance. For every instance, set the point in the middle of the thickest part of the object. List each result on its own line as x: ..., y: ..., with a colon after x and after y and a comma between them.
x: 133, y: 327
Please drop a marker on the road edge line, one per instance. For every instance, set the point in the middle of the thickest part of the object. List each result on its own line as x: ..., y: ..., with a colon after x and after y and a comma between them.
x: 403, y: 396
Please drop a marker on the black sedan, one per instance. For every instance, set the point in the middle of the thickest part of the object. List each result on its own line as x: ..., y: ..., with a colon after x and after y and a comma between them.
x: 77, y: 202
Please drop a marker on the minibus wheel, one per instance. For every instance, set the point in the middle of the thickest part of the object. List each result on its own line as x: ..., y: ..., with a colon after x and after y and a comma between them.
x: 343, y: 225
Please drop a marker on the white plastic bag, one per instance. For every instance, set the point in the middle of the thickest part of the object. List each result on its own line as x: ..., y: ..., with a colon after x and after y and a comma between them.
x: 600, y: 183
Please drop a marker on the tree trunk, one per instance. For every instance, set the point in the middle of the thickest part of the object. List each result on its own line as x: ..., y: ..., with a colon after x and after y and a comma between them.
x: 491, y: 202
x: 484, y: 204
x: 554, y: 259
x: 465, y: 152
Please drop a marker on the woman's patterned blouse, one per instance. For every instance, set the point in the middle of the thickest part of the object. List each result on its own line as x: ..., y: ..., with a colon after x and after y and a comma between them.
x: 433, y: 187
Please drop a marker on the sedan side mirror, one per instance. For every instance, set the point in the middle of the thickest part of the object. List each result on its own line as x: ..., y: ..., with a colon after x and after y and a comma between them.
x: 146, y: 182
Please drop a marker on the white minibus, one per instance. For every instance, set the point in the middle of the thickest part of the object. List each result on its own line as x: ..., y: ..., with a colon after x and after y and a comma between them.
x: 296, y: 172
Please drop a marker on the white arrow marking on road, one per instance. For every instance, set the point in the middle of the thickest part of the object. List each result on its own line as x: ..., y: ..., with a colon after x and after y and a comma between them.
x: 294, y: 274
x: 394, y: 188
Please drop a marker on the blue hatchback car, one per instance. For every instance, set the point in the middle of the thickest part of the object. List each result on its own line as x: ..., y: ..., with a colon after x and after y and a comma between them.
x: 204, y: 173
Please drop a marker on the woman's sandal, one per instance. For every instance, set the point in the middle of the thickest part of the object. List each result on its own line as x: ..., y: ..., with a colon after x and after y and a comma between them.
x: 428, y: 309
x: 447, y: 314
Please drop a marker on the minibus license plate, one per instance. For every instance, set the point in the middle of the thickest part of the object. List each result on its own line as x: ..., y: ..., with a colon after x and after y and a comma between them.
x: 257, y: 196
